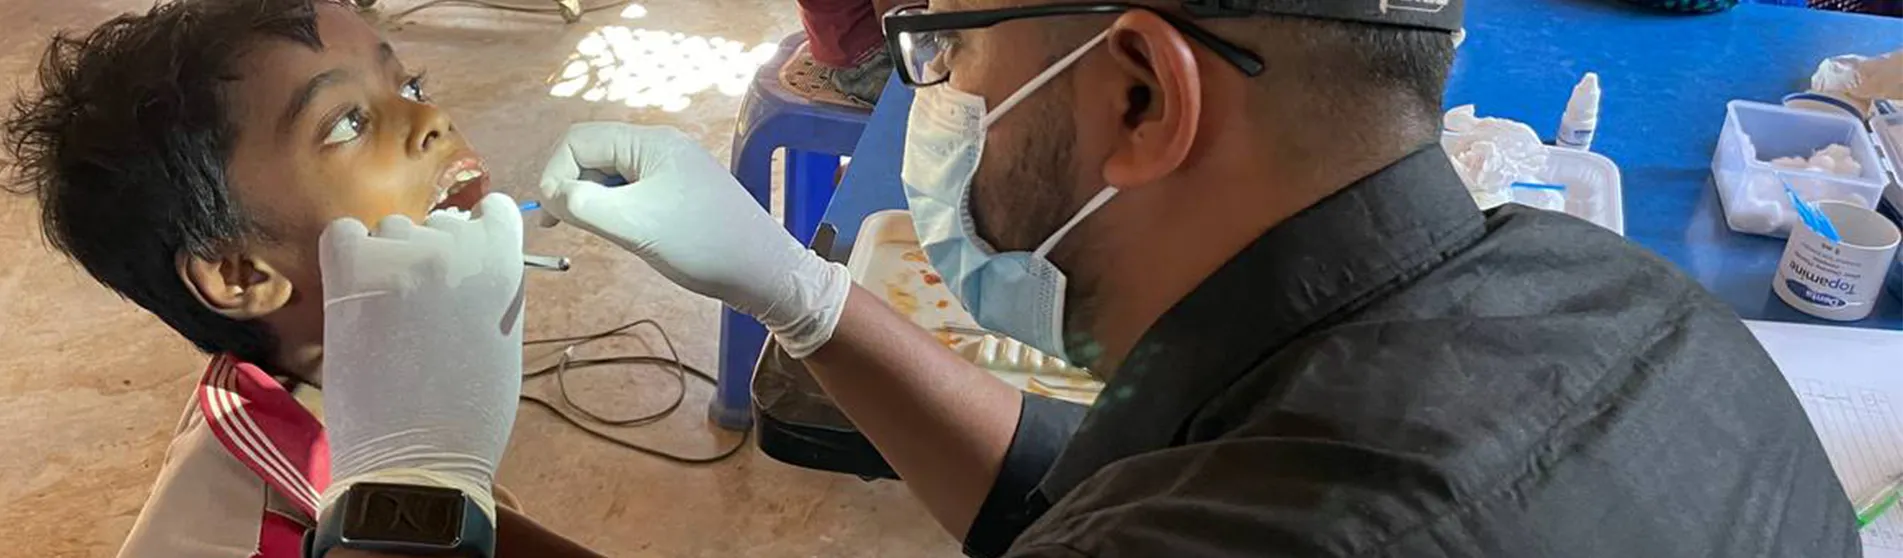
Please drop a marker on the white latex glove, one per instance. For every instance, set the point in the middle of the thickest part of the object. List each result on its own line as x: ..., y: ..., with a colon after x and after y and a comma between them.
x: 423, y: 348
x: 688, y: 218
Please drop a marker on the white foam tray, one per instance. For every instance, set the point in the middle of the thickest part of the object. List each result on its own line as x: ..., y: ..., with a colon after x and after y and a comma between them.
x: 887, y: 260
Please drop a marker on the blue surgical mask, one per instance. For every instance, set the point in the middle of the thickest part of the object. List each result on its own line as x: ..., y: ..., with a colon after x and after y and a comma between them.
x: 1019, y: 294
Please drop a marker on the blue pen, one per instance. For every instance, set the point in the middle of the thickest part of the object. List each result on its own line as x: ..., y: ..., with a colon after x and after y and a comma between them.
x: 531, y: 205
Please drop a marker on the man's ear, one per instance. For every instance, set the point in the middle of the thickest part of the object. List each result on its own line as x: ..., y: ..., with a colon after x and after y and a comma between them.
x: 238, y: 286
x: 1163, y: 102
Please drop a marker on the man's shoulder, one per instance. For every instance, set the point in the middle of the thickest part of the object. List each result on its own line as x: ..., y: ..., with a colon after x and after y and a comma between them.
x: 1552, y: 371
x: 1542, y: 247
x: 1316, y: 497
x: 1544, y: 330
x: 1566, y: 291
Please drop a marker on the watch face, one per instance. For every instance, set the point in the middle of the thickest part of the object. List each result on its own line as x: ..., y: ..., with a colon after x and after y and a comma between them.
x: 408, y: 514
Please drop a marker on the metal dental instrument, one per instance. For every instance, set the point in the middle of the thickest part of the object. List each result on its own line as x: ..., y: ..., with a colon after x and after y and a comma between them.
x: 545, y: 263
x: 541, y: 263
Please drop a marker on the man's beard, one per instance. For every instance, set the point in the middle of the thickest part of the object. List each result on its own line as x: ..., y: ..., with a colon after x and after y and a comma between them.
x: 1029, y: 193
x: 1021, y: 197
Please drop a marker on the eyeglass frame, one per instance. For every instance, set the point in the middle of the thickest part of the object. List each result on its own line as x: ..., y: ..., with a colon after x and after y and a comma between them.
x: 895, y: 24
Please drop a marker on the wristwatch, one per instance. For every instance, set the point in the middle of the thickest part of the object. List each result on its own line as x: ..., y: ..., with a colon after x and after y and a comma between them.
x: 403, y: 519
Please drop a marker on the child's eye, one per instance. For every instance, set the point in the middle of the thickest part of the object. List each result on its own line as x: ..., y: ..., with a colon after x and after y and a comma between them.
x: 346, y: 128
x: 412, y: 89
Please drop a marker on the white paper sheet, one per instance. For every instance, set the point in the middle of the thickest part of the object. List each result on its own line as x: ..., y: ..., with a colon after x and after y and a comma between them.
x: 1850, y: 382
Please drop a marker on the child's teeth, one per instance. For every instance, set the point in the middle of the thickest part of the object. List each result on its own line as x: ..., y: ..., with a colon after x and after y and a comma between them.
x: 467, y: 175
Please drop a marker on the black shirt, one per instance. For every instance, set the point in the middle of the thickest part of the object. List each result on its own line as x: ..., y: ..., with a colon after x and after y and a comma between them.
x: 1392, y: 372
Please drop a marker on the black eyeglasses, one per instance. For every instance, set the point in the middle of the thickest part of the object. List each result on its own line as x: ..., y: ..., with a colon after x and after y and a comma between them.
x: 916, y: 37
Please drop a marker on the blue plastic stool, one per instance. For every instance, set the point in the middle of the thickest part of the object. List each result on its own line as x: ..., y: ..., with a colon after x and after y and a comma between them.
x: 815, y: 136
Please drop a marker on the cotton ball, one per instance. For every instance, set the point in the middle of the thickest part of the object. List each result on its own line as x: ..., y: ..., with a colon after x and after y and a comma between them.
x: 1518, y: 144
x: 1794, y: 163
x: 1480, y: 167
x: 1761, y: 207
x: 1823, y: 163
x: 1860, y: 80
x: 1836, y: 159
x: 1498, y: 152
x: 1849, y: 166
x: 1491, y: 154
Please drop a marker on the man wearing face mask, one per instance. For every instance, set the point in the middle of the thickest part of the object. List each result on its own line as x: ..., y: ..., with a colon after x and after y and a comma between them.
x: 1237, y: 214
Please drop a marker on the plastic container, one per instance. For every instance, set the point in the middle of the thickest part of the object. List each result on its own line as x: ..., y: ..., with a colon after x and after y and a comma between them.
x: 1594, y: 191
x: 1581, y: 120
x: 1752, y: 189
x: 887, y: 260
x: 1888, y: 131
x: 1894, y: 283
x: 1838, y: 280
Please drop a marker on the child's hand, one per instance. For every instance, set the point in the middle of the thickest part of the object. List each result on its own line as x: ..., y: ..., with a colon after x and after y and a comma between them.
x: 686, y: 216
x: 423, y: 348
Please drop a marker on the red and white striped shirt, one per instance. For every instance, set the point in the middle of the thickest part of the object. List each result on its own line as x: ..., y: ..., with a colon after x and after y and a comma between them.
x: 242, y: 476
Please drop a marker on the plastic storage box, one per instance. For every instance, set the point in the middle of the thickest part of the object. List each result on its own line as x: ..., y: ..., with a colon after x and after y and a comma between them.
x: 1752, y: 189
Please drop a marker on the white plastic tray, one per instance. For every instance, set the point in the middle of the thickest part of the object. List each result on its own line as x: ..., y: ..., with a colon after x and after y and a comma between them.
x: 1594, y: 191
x: 887, y: 260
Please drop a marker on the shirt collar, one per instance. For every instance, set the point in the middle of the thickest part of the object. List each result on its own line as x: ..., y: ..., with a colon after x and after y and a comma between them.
x: 1329, y: 259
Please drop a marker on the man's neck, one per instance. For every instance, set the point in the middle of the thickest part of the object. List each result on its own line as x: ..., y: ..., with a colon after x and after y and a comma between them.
x: 1194, y: 227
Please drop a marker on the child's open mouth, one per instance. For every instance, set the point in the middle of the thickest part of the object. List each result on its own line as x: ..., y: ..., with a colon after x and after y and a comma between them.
x: 462, y: 184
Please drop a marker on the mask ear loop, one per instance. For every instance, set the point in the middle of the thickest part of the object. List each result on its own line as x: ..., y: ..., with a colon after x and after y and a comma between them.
x: 1042, y: 78
x: 1095, y: 203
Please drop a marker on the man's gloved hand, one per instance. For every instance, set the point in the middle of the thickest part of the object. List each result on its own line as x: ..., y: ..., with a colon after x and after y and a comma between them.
x: 423, y: 348
x: 685, y: 215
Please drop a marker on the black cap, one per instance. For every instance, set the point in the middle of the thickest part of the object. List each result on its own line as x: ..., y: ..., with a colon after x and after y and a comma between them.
x: 1439, y: 15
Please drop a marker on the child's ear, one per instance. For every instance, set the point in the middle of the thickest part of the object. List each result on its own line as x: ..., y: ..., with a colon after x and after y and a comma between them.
x: 237, y: 286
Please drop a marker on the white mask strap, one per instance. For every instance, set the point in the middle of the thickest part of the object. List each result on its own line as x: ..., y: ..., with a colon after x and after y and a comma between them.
x: 1039, y: 81
x: 1090, y: 207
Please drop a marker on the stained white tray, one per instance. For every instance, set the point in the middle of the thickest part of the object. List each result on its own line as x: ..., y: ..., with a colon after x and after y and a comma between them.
x: 887, y: 260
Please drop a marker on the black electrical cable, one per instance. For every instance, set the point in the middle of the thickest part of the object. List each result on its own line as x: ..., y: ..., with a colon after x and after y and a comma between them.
x: 509, y: 7
x: 672, y: 362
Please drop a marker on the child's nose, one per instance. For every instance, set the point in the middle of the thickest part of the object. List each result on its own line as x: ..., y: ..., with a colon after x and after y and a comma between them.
x: 432, y: 124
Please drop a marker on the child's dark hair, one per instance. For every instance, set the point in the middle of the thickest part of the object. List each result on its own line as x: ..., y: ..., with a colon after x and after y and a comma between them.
x: 126, y: 145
